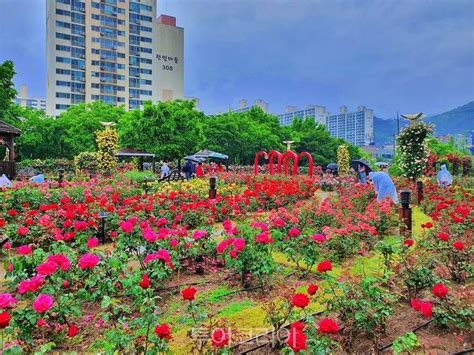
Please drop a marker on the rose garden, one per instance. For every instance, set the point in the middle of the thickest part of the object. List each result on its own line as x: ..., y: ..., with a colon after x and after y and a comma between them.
x: 277, y: 259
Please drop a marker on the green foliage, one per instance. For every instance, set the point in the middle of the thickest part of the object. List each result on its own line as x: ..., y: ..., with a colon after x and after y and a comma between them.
x: 405, y: 343
x: 314, y: 138
x: 7, y: 88
x: 170, y: 129
x: 47, y: 166
x: 242, y: 135
x: 86, y: 161
x: 442, y: 149
x: 80, y: 123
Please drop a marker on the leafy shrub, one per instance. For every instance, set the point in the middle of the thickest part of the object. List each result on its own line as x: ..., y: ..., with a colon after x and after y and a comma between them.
x: 86, y: 161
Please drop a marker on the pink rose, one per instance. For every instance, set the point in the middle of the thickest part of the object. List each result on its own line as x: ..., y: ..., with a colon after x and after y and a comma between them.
x: 43, y: 303
x: 7, y: 300
x: 24, y: 250
x: 88, y: 261
x: 92, y: 243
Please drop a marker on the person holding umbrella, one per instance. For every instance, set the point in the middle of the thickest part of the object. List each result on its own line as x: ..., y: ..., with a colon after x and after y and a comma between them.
x: 363, y: 169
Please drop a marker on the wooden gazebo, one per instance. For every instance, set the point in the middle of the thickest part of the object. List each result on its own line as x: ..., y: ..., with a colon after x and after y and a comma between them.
x: 7, y: 137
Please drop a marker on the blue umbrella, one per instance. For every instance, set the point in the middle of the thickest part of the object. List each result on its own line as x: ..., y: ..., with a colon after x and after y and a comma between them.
x: 216, y: 155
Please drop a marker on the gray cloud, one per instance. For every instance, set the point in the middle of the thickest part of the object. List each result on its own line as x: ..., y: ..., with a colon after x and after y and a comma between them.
x: 411, y: 55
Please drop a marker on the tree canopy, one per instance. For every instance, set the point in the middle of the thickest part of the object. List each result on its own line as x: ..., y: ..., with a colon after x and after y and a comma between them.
x: 170, y: 129
x: 7, y: 88
x: 241, y: 135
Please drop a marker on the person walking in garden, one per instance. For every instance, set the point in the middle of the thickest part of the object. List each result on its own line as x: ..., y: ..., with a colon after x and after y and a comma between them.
x: 165, y: 170
x: 187, y: 170
x: 444, y: 177
x: 362, y: 173
x: 383, y: 186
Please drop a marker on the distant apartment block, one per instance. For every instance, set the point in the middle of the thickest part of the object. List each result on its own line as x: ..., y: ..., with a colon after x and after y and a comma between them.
x: 24, y: 101
x: 244, y: 107
x: 115, y: 51
x: 318, y: 113
x: 355, y: 127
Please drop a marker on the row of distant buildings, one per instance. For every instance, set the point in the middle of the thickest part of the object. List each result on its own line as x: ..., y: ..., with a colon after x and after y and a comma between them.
x: 356, y: 127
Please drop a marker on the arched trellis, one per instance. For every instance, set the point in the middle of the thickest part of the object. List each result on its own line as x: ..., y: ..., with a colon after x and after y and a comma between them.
x: 310, y: 161
x: 271, y: 157
x: 257, y: 158
x: 286, y: 157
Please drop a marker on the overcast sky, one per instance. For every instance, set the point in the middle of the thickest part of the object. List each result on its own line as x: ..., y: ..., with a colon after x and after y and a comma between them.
x: 407, y: 55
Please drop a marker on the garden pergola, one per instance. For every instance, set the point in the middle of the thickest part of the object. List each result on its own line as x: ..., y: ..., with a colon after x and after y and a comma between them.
x: 133, y: 153
x: 7, y: 137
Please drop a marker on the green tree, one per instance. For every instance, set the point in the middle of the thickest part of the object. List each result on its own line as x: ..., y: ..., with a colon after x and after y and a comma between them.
x: 80, y: 122
x: 313, y: 138
x: 170, y: 129
x: 40, y: 134
x: 242, y: 135
x: 7, y: 88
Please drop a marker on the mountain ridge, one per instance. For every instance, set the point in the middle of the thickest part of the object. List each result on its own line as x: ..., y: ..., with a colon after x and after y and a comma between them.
x: 459, y: 120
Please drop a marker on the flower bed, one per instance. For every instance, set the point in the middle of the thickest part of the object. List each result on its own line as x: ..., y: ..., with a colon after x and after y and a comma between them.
x: 179, y: 272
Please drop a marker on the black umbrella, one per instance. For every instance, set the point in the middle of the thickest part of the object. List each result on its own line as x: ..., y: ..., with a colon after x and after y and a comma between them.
x: 332, y: 166
x: 355, y: 165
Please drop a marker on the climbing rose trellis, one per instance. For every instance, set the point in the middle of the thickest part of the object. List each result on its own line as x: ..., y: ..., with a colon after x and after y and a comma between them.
x: 413, y: 150
x: 107, y: 144
x: 343, y: 160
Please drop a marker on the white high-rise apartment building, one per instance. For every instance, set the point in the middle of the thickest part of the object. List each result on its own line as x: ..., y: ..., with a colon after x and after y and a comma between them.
x: 355, y: 127
x: 24, y: 100
x: 115, y: 51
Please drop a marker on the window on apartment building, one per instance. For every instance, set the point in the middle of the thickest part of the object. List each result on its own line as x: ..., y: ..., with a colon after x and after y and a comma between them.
x: 61, y: 107
x: 63, y: 71
x: 78, y: 18
x: 63, y: 48
x: 63, y: 12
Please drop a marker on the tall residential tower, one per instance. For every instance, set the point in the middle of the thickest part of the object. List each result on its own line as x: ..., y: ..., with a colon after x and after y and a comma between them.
x: 115, y: 51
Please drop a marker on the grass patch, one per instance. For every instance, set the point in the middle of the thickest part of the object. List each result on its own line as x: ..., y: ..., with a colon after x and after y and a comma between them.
x: 419, y: 218
x: 214, y: 296
x: 235, y: 307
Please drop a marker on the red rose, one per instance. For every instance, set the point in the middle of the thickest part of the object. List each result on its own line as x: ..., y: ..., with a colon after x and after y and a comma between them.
x: 415, y: 304
x: 458, y: 245
x: 145, y: 282
x: 324, y: 266
x: 296, y: 339
x: 300, y: 300
x: 294, y: 232
x: 426, y: 309
x: 188, y: 293
x: 327, y: 326
x: 312, y: 289
x: 439, y: 290
x: 23, y: 231
x: 443, y: 236
x: 408, y: 243
x: 4, y: 319
x: 72, y: 331
x: 163, y: 331
x: 427, y: 225
x: 219, y: 338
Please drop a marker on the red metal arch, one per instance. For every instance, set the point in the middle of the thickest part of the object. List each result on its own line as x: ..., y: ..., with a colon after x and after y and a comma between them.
x: 271, y: 157
x: 310, y: 162
x: 287, y: 156
x: 257, y: 158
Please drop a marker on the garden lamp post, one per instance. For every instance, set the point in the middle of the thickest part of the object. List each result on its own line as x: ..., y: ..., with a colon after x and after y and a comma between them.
x: 103, y: 216
x: 405, y: 214
x: 212, y: 187
x: 419, y: 191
